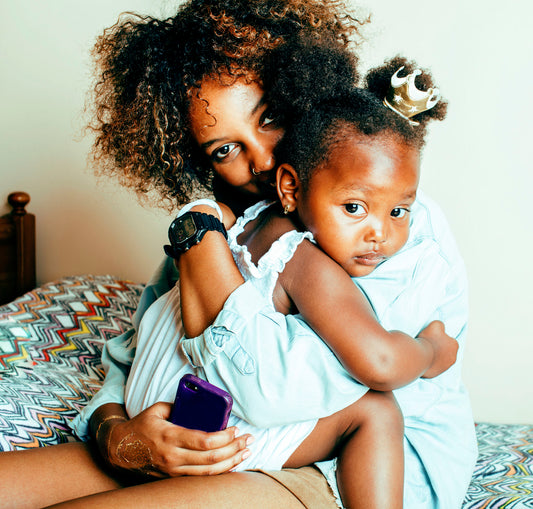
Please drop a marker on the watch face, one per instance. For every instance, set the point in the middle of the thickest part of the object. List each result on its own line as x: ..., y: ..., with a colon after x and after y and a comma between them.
x: 182, y: 229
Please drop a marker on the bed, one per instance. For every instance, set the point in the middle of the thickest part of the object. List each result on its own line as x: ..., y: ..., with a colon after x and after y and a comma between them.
x: 51, y: 339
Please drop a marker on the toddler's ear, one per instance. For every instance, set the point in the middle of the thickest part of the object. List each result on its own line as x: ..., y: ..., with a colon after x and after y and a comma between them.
x: 288, y: 186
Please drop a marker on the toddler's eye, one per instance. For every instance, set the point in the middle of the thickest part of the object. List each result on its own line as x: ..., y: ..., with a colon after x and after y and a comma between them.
x: 354, y: 209
x: 399, y: 212
x: 222, y: 153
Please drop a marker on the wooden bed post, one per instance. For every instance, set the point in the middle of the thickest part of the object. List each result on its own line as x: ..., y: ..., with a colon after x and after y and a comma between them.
x: 17, y: 249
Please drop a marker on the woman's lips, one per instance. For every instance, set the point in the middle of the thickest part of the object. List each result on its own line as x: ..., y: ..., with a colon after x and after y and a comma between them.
x: 370, y: 259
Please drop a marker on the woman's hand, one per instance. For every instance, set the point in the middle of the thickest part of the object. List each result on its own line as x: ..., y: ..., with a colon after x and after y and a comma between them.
x: 444, y: 348
x: 151, y: 445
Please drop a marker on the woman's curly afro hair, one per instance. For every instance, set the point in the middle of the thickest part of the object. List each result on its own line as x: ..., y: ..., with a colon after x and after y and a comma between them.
x: 147, y: 68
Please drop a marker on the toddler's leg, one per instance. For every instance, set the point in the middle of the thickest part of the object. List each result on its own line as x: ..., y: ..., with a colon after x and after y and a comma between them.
x: 367, y: 437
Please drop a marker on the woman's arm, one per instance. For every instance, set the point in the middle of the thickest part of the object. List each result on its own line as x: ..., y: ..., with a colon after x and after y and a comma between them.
x: 118, y: 352
x: 208, y: 276
x: 117, y: 356
x: 167, y: 450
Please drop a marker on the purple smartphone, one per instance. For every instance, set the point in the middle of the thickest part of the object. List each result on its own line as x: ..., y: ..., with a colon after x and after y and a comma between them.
x: 200, y: 405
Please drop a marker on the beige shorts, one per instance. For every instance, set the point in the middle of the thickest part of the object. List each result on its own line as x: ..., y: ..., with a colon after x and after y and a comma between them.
x: 307, y: 484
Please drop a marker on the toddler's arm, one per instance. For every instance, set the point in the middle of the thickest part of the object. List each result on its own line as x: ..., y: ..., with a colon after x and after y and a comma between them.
x: 341, y: 315
x: 445, y: 348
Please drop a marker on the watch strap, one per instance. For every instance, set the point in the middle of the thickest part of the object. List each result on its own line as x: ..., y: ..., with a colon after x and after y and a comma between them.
x: 209, y: 223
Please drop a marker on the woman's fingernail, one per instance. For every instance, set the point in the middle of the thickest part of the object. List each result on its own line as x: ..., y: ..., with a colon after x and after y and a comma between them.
x: 250, y: 440
x: 246, y: 454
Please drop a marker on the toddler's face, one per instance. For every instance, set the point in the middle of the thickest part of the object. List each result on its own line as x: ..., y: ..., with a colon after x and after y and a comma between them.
x: 357, y: 205
x: 230, y: 121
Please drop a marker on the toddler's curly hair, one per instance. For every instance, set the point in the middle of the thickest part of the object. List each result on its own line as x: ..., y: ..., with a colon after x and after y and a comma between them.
x: 322, y: 113
x: 147, y: 69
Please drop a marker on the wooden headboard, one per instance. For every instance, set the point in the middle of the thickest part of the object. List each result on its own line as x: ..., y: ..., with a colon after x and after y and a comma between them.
x: 17, y: 249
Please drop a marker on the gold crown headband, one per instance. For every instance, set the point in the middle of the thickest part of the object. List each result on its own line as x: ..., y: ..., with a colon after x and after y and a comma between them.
x: 406, y: 100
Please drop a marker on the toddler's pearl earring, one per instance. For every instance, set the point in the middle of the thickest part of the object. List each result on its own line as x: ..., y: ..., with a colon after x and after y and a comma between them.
x: 286, y: 209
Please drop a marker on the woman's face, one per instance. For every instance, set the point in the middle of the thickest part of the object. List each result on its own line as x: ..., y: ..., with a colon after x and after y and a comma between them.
x: 232, y: 126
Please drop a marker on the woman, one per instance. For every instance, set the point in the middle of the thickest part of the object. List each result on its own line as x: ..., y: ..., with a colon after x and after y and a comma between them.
x: 438, y: 417
x: 150, y: 70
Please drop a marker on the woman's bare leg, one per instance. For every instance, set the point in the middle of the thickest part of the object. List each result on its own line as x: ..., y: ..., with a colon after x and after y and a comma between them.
x: 368, y: 439
x: 48, y: 475
x: 241, y: 490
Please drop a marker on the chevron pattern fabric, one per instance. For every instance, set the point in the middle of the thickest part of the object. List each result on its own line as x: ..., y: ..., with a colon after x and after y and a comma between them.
x: 50, y: 346
x: 503, y: 477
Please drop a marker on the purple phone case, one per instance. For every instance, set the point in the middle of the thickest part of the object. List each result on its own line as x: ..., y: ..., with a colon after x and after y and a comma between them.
x: 200, y: 405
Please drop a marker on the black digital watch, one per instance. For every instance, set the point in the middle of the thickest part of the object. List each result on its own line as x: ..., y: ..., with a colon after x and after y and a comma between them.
x: 189, y: 229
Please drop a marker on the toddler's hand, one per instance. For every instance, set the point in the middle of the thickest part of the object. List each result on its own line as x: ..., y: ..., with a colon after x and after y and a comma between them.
x: 444, y: 348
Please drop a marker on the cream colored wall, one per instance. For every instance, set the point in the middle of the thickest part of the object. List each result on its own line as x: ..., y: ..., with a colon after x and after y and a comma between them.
x: 82, y: 226
x: 477, y: 164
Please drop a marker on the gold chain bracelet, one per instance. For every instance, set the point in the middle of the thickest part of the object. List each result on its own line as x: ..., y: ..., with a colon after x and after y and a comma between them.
x: 106, y: 419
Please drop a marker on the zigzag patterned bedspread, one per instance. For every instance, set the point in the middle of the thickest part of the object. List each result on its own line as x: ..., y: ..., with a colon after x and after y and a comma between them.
x: 50, y: 346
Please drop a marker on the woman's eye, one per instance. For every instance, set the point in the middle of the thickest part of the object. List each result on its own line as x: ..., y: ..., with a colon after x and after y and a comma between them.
x: 222, y: 153
x: 399, y: 212
x: 354, y: 209
x: 268, y: 120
